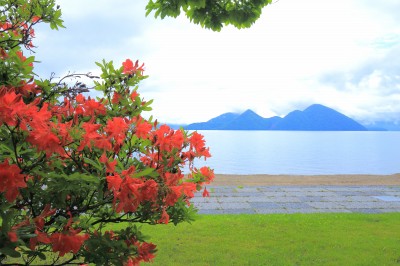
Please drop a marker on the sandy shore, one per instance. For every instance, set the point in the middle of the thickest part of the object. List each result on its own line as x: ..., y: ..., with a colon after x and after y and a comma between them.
x: 305, y: 180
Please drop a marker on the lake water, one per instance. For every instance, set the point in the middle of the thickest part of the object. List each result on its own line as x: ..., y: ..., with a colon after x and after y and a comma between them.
x: 303, y: 152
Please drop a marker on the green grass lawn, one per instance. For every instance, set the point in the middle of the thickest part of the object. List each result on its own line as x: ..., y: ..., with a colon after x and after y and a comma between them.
x: 279, y: 239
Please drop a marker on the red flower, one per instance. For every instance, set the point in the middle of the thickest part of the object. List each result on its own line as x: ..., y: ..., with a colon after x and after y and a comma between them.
x: 177, y: 139
x: 172, y: 179
x: 27, y: 88
x: 67, y: 242
x: 189, y: 189
x: 164, y: 218
x: 206, y: 193
x: 207, y: 173
x: 110, y: 166
x: 128, y: 171
x: 129, y: 68
x: 89, y: 107
x: 12, y: 108
x: 80, y: 98
x: 116, y: 129
x: 3, y: 54
x: 133, y: 96
x: 40, y: 237
x: 103, y: 143
x: 129, y: 195
x: 150, y: 190
x: 21, y: 56
x: 116, y: 98
x: 167, y: 139
x: 142, y: 129
x: 130, y: 192
x: 11, y: 180
x: 13, y: 236
x: 39, y: 220
x: 145, y: 251
x: 43, y: 138
x: 198, y: 144
x: 35, y: 19
x: 174, y: 194
x: 90, y: 135
x: 114, y: 182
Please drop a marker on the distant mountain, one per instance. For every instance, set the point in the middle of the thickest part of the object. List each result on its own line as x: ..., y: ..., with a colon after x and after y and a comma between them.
x: 315, y: 118
x: 218, y: 122
x: 383, y: 126
x: 319, y: 117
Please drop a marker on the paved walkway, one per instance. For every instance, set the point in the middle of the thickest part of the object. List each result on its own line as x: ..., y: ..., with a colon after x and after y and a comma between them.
x: 299, y: 199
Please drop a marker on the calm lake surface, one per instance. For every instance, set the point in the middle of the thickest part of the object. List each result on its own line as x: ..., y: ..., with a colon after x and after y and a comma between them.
x: 303, y: 152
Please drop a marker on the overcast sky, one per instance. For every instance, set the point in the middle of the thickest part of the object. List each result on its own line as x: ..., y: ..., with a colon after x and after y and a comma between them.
x: 343, y: 54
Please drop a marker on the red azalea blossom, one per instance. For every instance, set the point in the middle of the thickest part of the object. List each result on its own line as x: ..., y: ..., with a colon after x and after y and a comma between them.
x: 130, y: 196
x: 11, y: 180
x: 174, y: 194
x: 21, y: 56
x: 145, y: 253
x: 80, y: 98
x: 35, y: 19
x: 116, y: 129
x: 150, y: 190
x: 40, y: 219
x: 116, y: 98
x: 164, y: 217
x: 103, y: 143
x: 67, y: 242
x: 128, y: 171
x: 90, y: 135
x: 27, y: 89
x: 142, y: 129
x: 114, y: 182
x: 133, y: 95
x: 3, y: 54
x: 207, y: 173
x: 40, y: 237
x: 45, y: 140
x: 13, y: 109
x: 197, y: 143
x: 206, y: 193
x: 167, y: 139
x: 12, y: 236
x: 6, y: 26
x: 89, y: 107
x: 110, y: 166
x: 189, y: 189
x: 129, y: 68
x: 172, y: 179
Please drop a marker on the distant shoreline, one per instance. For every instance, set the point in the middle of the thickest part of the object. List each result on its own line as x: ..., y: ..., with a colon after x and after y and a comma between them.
x: 306, y: 180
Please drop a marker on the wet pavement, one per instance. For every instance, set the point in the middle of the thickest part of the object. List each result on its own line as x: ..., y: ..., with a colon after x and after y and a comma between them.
x: 298, y: 199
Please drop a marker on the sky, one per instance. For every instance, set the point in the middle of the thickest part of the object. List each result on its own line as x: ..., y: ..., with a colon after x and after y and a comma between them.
x: 343, y: 54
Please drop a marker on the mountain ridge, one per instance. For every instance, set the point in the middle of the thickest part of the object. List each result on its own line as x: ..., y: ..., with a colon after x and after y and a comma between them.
x: 316, y: 117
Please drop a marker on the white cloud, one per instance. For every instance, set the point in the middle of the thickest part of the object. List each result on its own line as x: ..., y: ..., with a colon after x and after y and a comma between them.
x: 274, y: 67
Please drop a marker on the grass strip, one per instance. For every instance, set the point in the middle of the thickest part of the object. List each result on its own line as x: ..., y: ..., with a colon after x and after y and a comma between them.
x: 280, y: 239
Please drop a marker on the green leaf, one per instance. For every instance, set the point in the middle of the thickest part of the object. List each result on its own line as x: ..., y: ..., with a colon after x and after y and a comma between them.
x: 7, y: 148
x: 96, y: 165
x: 32, y: 253
x: 83, y: 177
x: 8, y: 251
x: 145, y: 172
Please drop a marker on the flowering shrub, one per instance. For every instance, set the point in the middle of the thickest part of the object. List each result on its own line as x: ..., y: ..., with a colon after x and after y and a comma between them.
x: 72, y: 165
